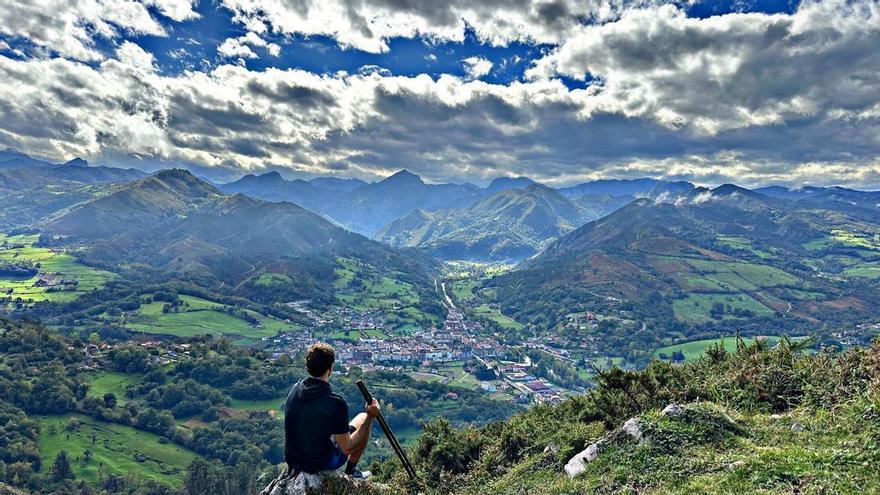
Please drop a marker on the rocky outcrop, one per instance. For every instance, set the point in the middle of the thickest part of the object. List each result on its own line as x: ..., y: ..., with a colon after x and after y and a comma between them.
x: 630, y: 432
x: 704, y: 424
x: 326, y: 483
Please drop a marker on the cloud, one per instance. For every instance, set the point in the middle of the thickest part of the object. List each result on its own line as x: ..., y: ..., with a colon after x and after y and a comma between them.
x: 241, y: 47
x: 70, y: 27
x: 731, y: 71
x: 368, y: 24
x: 476, y: 67
x: 745, y: 98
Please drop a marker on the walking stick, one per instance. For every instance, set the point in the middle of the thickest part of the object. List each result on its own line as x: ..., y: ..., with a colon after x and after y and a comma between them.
x: 388, y: 433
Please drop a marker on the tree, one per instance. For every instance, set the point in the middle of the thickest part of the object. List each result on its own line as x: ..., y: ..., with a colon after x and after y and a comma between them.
x: 61, y: 469
x: 110, y: 400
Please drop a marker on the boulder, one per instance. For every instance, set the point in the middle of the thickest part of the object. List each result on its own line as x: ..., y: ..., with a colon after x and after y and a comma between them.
x: 673, y: 410
x: 630, y: 432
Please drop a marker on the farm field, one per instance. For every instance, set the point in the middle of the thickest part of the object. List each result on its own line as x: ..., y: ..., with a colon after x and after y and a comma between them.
x: 116, y: 449
x: 463, y: 290
x: 55, y: 268
x: 696, y: 307
x: 695, y: 349
x: 257, y: 405
x: 866, y: 270
x: 111, y: 382
x: 200, y: 316
x: 484, y: 311
x: 360, y: 288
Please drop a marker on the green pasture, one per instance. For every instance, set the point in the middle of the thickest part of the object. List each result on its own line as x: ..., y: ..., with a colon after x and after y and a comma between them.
x: 696, y: 348
x: 62, y: 265
x: 695, y: 307
x: 484, y: 311
x: 114, y: 448
x: 198, y: 317
x: 111, y: 382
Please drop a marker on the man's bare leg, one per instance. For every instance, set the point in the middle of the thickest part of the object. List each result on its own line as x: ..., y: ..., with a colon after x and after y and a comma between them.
x: 362, y: 434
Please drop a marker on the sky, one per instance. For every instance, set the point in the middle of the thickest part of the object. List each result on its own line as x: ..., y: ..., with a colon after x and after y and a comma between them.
x: 563, y: 91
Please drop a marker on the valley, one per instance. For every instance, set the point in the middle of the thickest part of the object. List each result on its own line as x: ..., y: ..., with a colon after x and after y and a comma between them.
x: 164, y: 318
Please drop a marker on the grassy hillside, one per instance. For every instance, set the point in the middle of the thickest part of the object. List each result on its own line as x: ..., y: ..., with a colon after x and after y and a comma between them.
x: 112, y: 448
x: 757, y: 420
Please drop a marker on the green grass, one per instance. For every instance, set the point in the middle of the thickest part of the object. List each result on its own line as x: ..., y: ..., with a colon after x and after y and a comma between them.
x: 62, y: 265
x: 742, y: 243
x: 463, y: 290
x: 268, y: 279
x: 696, y: 348
x: 397, y: 300
x: 197, y: 317
x: 484, y: 311
x: 257, y: 405
x: 119, y: 449
x: 696, y: 307
x: 111, y: 382
x: 866, y: 270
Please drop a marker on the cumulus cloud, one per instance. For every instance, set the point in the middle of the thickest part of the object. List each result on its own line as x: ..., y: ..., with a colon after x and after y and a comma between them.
x: 745, y: 98
x: 476, y: 67
x: 369, y: 24
x: 70, y: 27
x: 241, y: 47
x: 731, y: 71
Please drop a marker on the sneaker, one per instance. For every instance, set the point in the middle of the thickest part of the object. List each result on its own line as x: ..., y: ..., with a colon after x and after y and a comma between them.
x: 360, y: 475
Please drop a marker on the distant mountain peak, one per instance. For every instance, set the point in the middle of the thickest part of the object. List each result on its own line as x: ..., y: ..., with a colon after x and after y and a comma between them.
x: 502, y: 183
x: 731, y: 189
x: 403, y: 177
x: 76, y: 162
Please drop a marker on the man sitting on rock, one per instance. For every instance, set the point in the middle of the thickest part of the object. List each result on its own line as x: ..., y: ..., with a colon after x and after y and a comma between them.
x: 318, y: 436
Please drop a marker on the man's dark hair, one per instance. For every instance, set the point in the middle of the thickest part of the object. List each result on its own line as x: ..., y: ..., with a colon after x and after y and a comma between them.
x: 319, y: 359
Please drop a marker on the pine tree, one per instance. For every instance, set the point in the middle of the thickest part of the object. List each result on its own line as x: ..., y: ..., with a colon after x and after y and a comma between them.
x: 61, y: 469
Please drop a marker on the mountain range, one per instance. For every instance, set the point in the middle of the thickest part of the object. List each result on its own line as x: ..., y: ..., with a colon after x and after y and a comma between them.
x: 511, y: 224
x: 175, y: 219
x: 725, y: 255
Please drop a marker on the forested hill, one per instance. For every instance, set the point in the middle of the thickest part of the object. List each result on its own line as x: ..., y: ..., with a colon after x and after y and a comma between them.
x: 193, y: 416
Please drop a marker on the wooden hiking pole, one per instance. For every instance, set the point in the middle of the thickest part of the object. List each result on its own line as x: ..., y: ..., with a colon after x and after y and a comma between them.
x: 388, y: 433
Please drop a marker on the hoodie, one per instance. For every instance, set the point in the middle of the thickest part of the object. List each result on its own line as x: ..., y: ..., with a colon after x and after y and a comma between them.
x: 313, y: 413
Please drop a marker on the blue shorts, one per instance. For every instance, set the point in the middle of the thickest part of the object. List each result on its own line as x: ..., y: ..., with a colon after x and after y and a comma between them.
x: 338, y: 457
x: 337, y: 460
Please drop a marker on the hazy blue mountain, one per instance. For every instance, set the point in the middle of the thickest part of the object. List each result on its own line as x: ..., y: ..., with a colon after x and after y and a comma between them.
x: 337, y: 184
x: 626, y: 187
x: 502, y: 183
x: 510, y: 225
x: 832, y: 197
x: 31, y: 189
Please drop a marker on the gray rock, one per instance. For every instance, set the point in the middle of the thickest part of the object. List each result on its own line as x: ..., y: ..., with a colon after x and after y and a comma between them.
x: 633, y: 428
x: 736, y: 465
x: 549, y: 455
x: 797, y: 427
x: 320, y: 483
x: 578, y: 464
x: 673, y: 410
